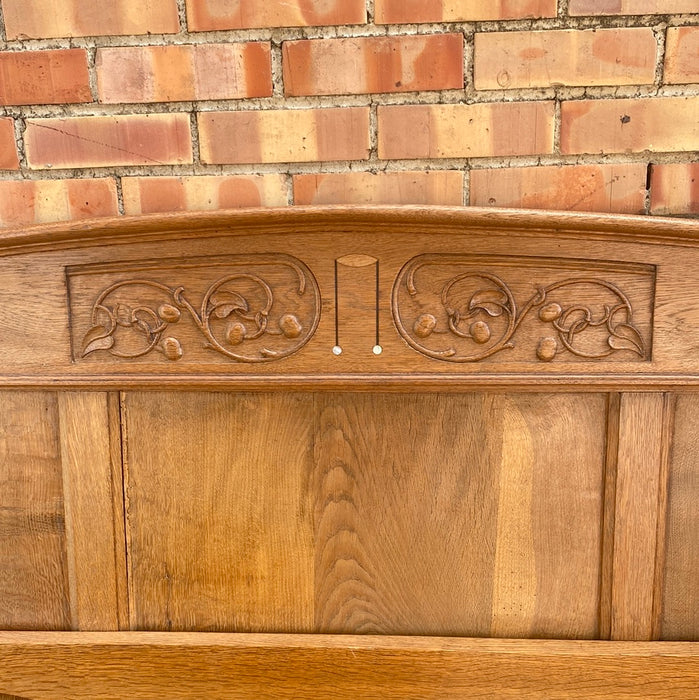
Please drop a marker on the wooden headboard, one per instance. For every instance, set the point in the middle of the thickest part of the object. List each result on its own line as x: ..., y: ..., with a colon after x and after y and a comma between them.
x: 350, y: 453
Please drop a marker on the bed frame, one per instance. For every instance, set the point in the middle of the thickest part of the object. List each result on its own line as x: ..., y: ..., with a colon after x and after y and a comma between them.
x: 350, y: 453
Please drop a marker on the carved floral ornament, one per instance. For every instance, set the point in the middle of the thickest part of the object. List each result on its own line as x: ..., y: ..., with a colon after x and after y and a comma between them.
x: 467, y: 315
x: 446, y: 307
x: 246, y: 316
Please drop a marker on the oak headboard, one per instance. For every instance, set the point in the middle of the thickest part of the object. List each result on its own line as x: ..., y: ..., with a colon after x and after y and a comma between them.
x: 350, y: 453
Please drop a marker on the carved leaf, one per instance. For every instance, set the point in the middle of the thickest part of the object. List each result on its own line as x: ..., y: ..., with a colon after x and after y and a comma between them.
x: 226, y: 303
x: 97, y: 338
x: 492, y: 301
x: 626, y: 337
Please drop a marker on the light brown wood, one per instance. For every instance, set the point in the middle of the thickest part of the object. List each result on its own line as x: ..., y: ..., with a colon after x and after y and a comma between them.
x: 584, y: 265
x: 504, y: 447
x: 33, y: 571
x: 458, y: 514
x: 680, y: 604
x: 92, y: 546
x: 219, y: 520
x: 639, y: 468
x: 240, y: 667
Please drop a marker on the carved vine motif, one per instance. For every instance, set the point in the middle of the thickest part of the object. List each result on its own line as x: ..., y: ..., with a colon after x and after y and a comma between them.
x: 477, y: 316
x: 135, y: 317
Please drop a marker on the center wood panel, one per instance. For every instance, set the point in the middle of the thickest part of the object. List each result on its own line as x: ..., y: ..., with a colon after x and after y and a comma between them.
x: 463, y: 514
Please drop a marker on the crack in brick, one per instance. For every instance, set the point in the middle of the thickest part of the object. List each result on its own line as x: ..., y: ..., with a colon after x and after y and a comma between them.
x: 100, y: 143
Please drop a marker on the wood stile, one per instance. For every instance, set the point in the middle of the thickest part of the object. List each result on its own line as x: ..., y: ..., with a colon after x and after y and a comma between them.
x: 490, y: 491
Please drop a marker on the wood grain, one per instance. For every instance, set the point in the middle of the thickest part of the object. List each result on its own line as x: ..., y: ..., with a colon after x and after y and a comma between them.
x: 639, y: 468
x: 33, y: 571
x: 680, y: 603
x: 458, y: 514
x: 114, y: 666
x: 218, y: 518
x: 43, y: 326
x: 95, y: 552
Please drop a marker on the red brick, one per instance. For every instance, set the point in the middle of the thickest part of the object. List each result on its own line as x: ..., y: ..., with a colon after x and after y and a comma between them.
x: 91, y: 142
x: 8, y: 147
x: 26, y: 202
x: 184, y: 72
x: 682, y: 55
x: 210, y: 15
x: 41, y: 19
x: 466, y: 131
x: 619, y: 187
x: 421, y: 187
x: 409, y: 11
x: 631, y: 7
x: 44, y: 77
x: 145, y: 195
x: 281, y: 136
x: 674, y: 189
x: 373, y: 64
x: 564, y: 57
x: 630, y: 126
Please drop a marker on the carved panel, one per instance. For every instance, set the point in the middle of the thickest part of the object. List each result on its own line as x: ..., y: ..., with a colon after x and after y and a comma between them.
x: 252, y: 308
x: 472, y: 308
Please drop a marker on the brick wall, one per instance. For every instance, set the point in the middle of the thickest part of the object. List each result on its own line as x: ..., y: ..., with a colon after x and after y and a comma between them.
x: 136, y: 106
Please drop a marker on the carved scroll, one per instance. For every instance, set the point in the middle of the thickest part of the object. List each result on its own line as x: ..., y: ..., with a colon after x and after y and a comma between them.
x: 462, y: 309
x: 253, y: 309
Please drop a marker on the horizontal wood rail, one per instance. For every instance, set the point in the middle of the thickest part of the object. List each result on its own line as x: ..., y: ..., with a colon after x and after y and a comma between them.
x: 99, y: 665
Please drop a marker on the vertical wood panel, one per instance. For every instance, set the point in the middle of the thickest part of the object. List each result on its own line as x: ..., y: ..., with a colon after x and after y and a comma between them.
x: 459, y: 514
x: 94, y: 548
x: 639, y: 469
x: 33, y: 579
x: 218, y: 520
x: 680, y: 608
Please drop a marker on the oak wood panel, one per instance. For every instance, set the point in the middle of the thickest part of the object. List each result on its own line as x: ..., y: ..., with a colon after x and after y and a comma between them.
x: 39, y: 317
x: 468, y: 514
x: 33, y: 570
x: 218, y: 518
x: 637, y: 512
x: 114, y: 666
x: 94, y: 540
x: 680, y: 603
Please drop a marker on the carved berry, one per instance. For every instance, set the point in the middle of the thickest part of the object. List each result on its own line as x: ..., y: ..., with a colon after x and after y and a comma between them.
x: 480, y: 331
x: 424, y: 325
x: 235, y: 333
x: 550, y: 312
x: 547, y: 349
x: 169, y: 313
x: 290, y: 326
x: 171, y: 348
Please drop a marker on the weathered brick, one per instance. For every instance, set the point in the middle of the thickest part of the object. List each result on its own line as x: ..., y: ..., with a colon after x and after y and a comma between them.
x: 40, y: 18
x: 682, y: 55
x: 26, y: 202
x: 631, y: 7
x: 373, y: 64
x: 674, y: 188
x: 417, y: 187
x: 210, y: 15
x: 410, y: 11
x: 8, y: 148
x: 184, y: 72
x: 44, y: 77
x: 564, y: 57
x: 619, y: 187
x: 145, y: 195
x: 466, y: 131
x: 89, y: 142
x: 630, y: 126
x: 281, y: 136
